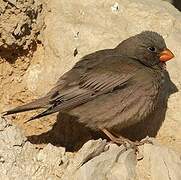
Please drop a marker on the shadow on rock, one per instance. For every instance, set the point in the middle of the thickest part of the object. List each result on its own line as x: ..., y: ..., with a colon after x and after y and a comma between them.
x: 12, y: 53
x: 67, y: 132
x: 177, y: 4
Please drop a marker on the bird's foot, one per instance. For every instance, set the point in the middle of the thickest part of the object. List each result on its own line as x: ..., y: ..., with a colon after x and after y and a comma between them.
x: 125, y: 141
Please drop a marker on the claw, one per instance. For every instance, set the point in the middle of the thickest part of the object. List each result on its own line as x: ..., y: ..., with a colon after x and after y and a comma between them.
x: 124, y: 141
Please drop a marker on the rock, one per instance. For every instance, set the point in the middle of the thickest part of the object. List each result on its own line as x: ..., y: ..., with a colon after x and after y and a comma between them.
x: 97, y: 159
x: 89, y: 150
x: 20, y: 23
x: 177, y: 4
x: 21, y: 160
x: 115, y: 163
x: 49, y: 155
x: 170, y: 1
x: 159, y: 163
x: 11, y: 136
x: 3, y: 124
x: 112, y: 163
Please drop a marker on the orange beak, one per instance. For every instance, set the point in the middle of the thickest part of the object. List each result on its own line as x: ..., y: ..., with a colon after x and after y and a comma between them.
x: 166, y: 55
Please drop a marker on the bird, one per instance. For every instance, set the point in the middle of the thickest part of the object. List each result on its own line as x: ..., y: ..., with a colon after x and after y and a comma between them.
x: 110, y: 89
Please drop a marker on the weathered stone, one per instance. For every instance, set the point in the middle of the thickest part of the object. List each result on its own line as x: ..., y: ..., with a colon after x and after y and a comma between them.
x: 21, y: 160
x: 97, y: 159
x: 114, y: 162
x: 90, y: 150
x: 159, y: 162
x: 20, y: 23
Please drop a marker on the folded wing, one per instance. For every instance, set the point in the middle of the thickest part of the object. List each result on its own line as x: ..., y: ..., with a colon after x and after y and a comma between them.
x: 81, y: 84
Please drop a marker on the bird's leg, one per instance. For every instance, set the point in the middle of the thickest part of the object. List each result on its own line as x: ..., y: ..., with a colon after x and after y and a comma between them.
x: 113, y: 138
x: 123, y: 141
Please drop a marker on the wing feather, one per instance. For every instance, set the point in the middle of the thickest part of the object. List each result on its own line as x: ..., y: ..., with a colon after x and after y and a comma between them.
x: 85, y: 81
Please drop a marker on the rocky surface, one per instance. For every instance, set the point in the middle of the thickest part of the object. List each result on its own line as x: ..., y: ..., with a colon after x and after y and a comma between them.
x: 20, y: 23
x: 21, y: 160
x: 84, y: 26
x: 159, y: 163
x: 97, y: 159
x: 177, y: 4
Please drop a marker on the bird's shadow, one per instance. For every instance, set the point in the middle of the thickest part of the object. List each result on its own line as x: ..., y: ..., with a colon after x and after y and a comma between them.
x: 177, y: 4
x: 67, y: 132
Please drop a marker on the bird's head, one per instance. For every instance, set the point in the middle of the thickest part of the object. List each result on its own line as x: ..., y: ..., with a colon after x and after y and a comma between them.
x: 147, y: 47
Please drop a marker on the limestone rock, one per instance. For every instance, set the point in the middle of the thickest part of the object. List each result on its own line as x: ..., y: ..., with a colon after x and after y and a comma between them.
x: 97, y: 159
x: 114, y: 164
x: 89, y: 150
x: 20, y: 23
x: 159, y: 162
x: 21, y: 160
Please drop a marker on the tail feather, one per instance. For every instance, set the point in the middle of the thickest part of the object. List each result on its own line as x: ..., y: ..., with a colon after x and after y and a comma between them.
x: 42, y: 114
x: 37, y: 104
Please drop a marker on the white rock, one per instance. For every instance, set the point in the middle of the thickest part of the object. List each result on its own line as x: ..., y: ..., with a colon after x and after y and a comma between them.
x: 18, y: 158
x: 115, y: 7
x: 89, y: 150
x: 51, y: 155
x: 160, y: 162
x: 113, y: 164
x: 3, y: 124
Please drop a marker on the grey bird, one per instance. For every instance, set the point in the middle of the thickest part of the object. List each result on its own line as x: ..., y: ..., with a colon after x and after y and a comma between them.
x: 111, y: 89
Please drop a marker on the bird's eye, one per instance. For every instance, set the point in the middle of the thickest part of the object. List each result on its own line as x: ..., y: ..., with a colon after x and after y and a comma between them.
x: 152, y: 49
